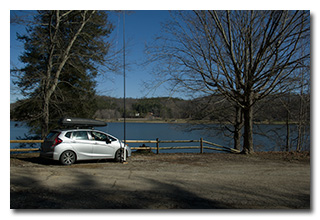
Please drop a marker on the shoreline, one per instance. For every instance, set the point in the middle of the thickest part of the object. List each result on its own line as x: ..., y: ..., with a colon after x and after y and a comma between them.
x: 180, y: 121
x: 186, y: 121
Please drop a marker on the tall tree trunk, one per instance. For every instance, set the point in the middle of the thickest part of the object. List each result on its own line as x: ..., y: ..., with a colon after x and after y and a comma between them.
x: 288, y: 125
x: 288, y: 133
x: 237, y: 128
x: 52, y: 78
x: 248, y: 131
x: 45, y: 119
x: 301, y: 115
x: 248, y: 125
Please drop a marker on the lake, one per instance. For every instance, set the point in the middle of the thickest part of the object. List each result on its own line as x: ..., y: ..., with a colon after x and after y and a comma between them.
x: 266, y: 137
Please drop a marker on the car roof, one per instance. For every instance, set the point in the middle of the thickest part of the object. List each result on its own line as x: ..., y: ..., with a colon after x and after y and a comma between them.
x: 80, y: 129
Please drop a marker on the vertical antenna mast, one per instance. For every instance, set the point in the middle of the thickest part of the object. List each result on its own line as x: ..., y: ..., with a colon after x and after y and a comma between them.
x: 124, y: 80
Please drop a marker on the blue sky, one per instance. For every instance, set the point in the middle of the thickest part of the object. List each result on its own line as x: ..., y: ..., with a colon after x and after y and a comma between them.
x: 141, y: 26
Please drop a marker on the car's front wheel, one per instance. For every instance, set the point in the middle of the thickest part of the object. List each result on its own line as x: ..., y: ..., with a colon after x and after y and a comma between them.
x: 117, y: 156
x: 68, y: 157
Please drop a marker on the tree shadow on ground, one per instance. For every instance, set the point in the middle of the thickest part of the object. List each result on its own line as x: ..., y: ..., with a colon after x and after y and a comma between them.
x: 35, y: 160
x: 43, y: 161
x: 86, y: 193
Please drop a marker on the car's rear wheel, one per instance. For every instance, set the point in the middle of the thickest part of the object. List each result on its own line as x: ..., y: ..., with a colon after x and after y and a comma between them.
x: 68, y: 157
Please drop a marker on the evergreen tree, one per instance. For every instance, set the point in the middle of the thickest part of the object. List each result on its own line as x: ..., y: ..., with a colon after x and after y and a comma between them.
x: 63, y: 51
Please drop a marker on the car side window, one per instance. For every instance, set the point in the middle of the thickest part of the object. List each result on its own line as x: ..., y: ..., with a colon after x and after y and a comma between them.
x: 68, y: 135
x: 80, y: 135
x: 98, y: 136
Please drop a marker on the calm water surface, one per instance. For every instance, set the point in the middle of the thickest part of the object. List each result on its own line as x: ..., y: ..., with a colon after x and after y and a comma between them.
x: 266, y: 137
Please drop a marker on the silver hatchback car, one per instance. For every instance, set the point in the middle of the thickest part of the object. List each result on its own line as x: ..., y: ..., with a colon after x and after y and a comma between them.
x: 71, y: 145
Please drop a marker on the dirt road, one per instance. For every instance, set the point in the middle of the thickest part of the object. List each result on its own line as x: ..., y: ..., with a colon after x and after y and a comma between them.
x: 164, y: 181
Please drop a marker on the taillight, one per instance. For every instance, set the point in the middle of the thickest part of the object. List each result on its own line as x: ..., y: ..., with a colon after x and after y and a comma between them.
x: 56, y: 141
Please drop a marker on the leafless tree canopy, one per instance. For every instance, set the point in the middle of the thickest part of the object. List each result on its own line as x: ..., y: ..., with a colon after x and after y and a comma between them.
x: 243, y: 55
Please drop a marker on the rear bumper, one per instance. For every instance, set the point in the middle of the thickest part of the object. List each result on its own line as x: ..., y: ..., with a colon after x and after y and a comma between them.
x: 47, y: 155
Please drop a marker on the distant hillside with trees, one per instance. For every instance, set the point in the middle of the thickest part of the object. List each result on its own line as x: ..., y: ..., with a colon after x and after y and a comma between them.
x: 216, y: 109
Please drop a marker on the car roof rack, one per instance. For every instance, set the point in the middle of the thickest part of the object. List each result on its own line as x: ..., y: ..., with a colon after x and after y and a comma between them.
x: 80, y: 123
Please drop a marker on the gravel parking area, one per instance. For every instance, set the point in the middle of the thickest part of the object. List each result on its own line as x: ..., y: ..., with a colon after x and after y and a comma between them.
x: 164, y: 181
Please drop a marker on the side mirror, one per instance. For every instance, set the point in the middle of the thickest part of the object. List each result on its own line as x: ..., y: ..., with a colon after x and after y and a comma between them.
x: 108, y: 141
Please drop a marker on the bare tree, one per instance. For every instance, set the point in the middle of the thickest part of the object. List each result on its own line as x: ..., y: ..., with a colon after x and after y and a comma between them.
x: 243, y: 55
x: 304, y: 103
x: 52, y: 76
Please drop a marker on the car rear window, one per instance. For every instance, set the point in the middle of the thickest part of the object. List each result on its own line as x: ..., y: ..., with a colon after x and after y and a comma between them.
x: 52, y: 135
x: 68, y: 135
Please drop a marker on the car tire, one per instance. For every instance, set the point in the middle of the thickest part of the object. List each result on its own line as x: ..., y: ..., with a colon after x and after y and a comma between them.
x: 68, y: 157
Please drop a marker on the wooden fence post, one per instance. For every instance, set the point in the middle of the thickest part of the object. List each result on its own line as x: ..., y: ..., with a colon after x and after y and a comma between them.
x: 157, y: 145
x: 201, y: 145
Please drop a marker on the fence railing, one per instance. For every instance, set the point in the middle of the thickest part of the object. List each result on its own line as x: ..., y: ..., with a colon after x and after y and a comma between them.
x: 203, y: 144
